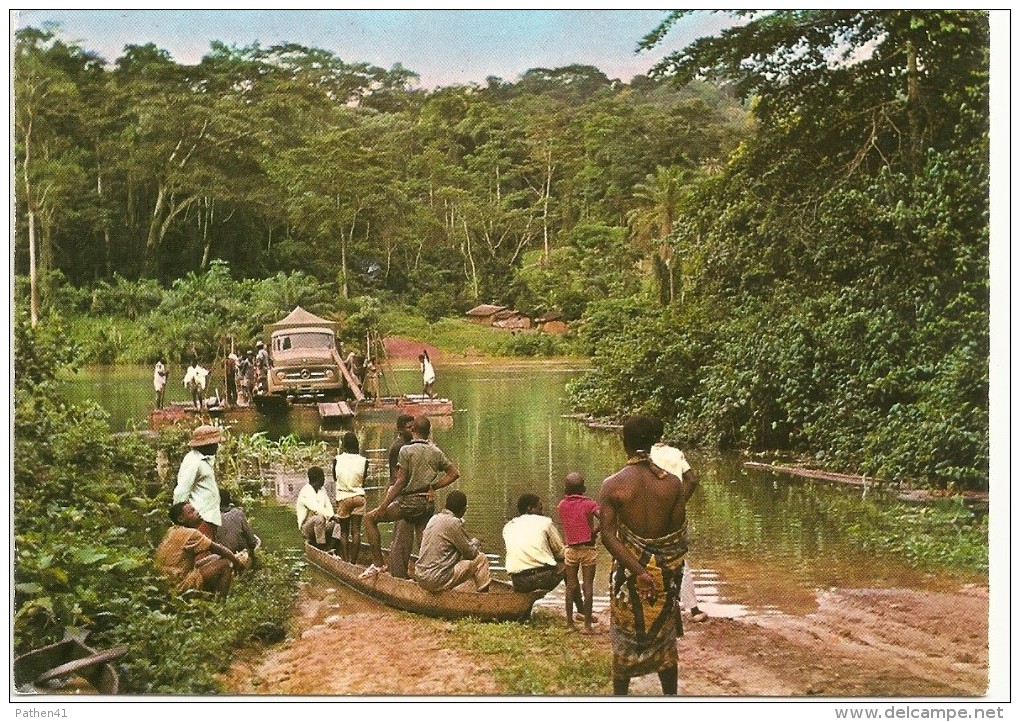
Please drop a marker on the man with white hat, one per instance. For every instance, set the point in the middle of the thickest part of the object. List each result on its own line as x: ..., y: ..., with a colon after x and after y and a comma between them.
x: 196, y: 479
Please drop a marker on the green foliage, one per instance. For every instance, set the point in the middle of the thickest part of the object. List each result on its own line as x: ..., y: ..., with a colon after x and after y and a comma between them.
x: 40, y: 353
x: 533, y: 343
x: 834, y: 288
x: 163, y: 630
x: 539, y: 658
x: 596, y: 262
x: 288, y: 158
x: 125, y: 299
x: 88, y: 512
x: 944, y: 534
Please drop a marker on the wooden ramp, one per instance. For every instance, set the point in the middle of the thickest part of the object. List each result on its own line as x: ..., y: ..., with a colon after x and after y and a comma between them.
x: 335, y: 411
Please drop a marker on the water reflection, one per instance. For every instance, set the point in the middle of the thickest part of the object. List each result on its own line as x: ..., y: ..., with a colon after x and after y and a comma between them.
x: 760, y: 542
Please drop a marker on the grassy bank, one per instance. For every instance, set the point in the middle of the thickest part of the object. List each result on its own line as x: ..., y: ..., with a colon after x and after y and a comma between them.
x: 541, y: 658
x: 459, y: 337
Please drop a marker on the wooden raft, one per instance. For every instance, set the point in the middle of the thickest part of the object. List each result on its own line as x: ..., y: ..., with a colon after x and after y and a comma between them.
x: 335, y: 410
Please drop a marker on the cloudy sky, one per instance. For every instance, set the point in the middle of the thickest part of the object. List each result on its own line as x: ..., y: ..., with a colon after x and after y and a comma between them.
x: 443, y: 46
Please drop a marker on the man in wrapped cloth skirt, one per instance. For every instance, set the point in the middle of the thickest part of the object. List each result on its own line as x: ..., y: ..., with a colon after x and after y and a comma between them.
x: 643, y: 515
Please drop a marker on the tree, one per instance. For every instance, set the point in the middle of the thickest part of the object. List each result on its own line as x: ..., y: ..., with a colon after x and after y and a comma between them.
x: 660, y: 195
x: 47, y: 99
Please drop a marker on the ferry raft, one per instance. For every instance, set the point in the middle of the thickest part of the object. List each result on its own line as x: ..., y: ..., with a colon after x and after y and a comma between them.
x: 323, y: 413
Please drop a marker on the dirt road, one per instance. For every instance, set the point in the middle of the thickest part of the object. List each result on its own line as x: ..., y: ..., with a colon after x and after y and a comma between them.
x: 854, y: 643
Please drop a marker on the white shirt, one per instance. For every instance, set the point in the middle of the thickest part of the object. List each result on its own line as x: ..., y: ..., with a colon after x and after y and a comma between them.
x: 349, y: 471
x: 196, y: 482
x: 669, y: 458
x: 531, y: 541
x: 196, y: 374
x: 159, y: 376
x: 311, y: 502
x: 428, y: 373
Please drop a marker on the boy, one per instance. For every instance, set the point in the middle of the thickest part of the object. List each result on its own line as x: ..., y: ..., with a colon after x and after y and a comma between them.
x: 578, y: 515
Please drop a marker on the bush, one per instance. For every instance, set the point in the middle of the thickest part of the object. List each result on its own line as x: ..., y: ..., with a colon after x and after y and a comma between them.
x: 535, y: 344
x: 87, y: 517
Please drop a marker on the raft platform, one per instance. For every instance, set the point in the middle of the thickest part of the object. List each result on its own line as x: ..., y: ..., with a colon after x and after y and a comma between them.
x: 327, y: 413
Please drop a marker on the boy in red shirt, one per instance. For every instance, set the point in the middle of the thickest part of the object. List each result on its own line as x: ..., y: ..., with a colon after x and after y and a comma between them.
x: 579, y: 515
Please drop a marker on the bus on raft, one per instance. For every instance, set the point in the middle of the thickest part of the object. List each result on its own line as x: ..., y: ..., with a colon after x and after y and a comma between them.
x: 306, y: 375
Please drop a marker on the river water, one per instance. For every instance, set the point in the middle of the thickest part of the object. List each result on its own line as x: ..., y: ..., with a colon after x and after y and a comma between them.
x: 760, y: 542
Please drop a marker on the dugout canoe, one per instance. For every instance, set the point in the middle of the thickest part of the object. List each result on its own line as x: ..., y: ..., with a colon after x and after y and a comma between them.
x: 68, y: 667
x: 500, y: 604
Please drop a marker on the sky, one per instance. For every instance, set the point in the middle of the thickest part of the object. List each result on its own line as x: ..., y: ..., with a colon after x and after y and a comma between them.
x: 445, y: 47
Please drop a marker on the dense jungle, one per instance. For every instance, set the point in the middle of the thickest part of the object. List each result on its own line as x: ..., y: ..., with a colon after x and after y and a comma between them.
x: 777, y: 241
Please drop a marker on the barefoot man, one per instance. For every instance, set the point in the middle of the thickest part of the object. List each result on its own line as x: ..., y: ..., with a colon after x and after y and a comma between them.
x: 643, y: 517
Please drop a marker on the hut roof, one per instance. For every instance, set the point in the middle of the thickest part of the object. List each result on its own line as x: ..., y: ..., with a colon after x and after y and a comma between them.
x: 485, y: 309
x: 554, y: 316
x: 506, y: 313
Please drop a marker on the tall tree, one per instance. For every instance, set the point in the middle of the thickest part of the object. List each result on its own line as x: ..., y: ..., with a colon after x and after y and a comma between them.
x: 46, y: 124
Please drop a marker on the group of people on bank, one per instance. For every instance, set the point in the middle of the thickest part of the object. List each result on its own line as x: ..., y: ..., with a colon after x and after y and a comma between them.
x: 640, y: 517
x: 210, y: 540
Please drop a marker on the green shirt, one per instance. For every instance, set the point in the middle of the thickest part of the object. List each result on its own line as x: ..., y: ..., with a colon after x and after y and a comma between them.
x: 196, y: 482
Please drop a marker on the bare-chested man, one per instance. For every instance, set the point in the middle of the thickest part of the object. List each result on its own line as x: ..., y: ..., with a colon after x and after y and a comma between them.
x: 643, y: 520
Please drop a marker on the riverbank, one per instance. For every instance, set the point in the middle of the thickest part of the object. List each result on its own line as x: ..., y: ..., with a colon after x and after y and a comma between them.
x: 894, y: 642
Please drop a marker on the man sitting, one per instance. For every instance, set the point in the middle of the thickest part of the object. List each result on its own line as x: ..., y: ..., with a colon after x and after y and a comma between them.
x: 235, y: 532
x: 447, y: 556
x: 534, y: 548
x: 315, y: 511
x: 175, y: 557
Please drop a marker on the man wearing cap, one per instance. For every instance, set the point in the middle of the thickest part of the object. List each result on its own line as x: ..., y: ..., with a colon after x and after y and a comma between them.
x: 196, y: 479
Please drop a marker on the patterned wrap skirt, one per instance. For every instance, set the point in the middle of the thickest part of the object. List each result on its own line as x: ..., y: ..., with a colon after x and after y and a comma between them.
x: 643, y: 633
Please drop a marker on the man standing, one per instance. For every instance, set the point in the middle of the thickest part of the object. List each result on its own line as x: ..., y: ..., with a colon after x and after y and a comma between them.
x: 235, y: 532
x: 159, y: 381
x: 402, y: 541
x: 422, y: 468
x: 448, y: 557
x: 261, y: 369
x: 643, y: 519
x: 673, y: 460
x: 195, y: 380
x: 428, y: 374
x: 196, y: 478
x: 230, y: 377
x: 534, y: 548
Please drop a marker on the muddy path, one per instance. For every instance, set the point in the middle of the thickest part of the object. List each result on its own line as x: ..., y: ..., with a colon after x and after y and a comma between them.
x: 853, y: 643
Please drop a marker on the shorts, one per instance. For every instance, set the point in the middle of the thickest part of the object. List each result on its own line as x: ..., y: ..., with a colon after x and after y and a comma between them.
x: 581, y: 555
x: 416, y: 508
x: 354, y: 505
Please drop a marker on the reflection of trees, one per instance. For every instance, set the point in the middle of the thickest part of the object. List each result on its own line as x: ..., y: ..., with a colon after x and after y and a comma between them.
x: 763, y: 516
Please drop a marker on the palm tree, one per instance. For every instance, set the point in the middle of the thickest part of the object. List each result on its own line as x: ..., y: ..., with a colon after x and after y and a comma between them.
x: 660, y: 197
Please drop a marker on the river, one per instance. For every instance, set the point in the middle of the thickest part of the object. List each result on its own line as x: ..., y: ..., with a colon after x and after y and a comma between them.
x: 760, y: 542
